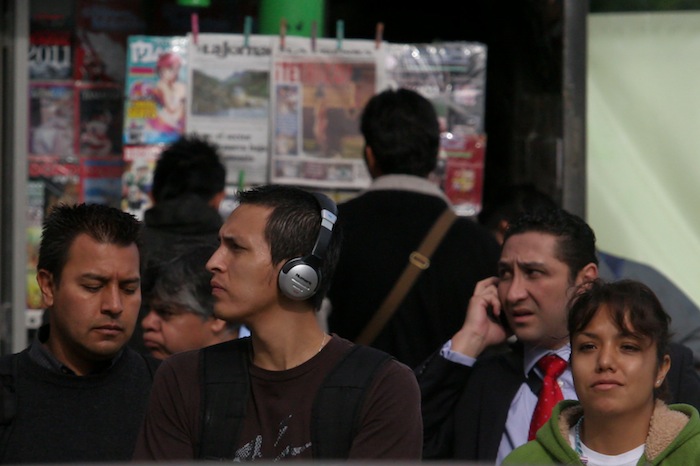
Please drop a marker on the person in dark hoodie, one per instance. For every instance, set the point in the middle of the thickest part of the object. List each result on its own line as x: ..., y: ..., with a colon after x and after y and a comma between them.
x: 188, y: 187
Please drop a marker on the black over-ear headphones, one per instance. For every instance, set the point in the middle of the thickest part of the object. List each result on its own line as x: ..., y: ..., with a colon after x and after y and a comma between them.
x: 300, y: 277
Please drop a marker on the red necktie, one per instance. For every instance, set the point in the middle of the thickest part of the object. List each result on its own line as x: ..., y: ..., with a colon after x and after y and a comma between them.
x: 552, y: 366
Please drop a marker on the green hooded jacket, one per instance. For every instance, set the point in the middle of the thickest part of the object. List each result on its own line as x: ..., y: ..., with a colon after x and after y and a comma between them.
x: 673, y: 439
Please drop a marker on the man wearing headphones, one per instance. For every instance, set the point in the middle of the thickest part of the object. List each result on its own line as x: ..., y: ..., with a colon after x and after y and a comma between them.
x: 276, y: 257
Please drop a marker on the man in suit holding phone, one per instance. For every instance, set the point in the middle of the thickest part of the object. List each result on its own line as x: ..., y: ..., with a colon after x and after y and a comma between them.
x: 478, y: 404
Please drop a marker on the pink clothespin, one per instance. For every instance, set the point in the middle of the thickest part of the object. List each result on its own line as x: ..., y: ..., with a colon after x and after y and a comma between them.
x: 194, y: 18
x: 283, y: 32
x: 378, y: 36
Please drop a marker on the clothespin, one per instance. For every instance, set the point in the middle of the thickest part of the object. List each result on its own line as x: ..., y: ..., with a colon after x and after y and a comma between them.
x: 339, y: 33
x: 313, y: 36
x: 247, y: 28
x: 194, y: 20
x: 241, y: 180
x: 378, y: 35
x: 283, y: 32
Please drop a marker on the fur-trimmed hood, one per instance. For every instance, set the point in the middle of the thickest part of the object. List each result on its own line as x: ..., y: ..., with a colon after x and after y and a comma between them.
x: 673, y: 438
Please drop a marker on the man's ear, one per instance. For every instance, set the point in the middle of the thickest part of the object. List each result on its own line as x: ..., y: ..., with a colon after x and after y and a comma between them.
x: 217, y: 325
x: 46, y: 284
x: 587, y: 274
x: 371, y: 161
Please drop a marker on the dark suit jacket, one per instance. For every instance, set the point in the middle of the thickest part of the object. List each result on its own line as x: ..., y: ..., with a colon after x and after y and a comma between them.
x: 465, y: 409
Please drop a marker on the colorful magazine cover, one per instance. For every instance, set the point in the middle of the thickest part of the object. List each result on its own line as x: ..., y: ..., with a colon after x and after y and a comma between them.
x: 156, y: 89
x: 137, y: 178
x: 101, y: 180
x: 50, y: 55
x: 319, y: 94
x: 230, y: 104
x: 462, y: 161
x: 51, y: 118
x: 100, y: 108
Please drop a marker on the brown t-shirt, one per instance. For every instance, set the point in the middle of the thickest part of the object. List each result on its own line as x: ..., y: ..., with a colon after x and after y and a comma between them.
x: 278, y: 416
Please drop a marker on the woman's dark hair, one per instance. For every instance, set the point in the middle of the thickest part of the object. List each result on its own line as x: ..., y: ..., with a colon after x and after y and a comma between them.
x: 633, y: 307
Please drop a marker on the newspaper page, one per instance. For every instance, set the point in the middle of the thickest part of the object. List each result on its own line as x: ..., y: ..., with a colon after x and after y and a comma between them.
x: 319, y: 89
x: 452, y: 75
x: 156, y: 89
x: 230, y: 101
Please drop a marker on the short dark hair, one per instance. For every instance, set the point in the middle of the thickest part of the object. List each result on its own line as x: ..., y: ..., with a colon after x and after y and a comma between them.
x: 65, y: 222
x: 293, y: 227
x: 625, y: 299
x: 191, y: 165
x: 512, y: 201
x: 575, y: 239
x: 402, y: 128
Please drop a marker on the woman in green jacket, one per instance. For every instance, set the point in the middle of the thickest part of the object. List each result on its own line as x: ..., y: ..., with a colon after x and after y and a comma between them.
x: 619, y: 334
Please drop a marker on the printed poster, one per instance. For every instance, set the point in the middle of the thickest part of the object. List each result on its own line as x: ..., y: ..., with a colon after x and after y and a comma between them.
x: 156, y: 89
x: 51, y: 118
x: 101, y: 31
x: 137, y: 178
x: 230, y: 101
x: 52, y: 180
x: 318, y: 96
x: 452, y: 75
x: 50, y: 55
x: 100, y: 108
x: 101, y: 180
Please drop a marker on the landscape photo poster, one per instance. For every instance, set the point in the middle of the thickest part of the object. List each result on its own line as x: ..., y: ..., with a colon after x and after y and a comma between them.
x: 156, y: 89
x: 319, y: 90
x: 229, y: 81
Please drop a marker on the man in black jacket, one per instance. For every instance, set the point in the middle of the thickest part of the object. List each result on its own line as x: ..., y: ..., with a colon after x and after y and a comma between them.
x: 385, y: 225
x: 478, y: 406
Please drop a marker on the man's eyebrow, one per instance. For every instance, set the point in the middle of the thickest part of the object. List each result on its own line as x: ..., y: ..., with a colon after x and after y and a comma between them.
x: 103, y: 279
x: 94, y: 276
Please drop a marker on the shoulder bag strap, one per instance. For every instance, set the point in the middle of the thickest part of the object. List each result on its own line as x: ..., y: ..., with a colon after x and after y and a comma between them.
x: 418, y: 261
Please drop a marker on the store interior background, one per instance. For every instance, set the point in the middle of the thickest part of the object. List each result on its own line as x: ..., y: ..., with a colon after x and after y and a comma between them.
x: 535, y: 115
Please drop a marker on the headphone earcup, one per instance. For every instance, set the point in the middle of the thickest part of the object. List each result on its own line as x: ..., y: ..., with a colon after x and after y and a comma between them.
x: 298, y: 280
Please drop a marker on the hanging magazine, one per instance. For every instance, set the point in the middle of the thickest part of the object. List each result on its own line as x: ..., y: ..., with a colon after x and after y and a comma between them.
x: 156, y: 89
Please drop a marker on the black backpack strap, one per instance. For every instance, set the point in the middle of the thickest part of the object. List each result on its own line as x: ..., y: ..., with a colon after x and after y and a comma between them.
x: 225, y: 392
x: 338, y: 403
x: 8, y: 398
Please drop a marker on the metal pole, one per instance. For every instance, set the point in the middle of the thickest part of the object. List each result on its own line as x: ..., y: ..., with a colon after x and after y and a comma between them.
x: 13, y: 171
x: 573, y: 154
